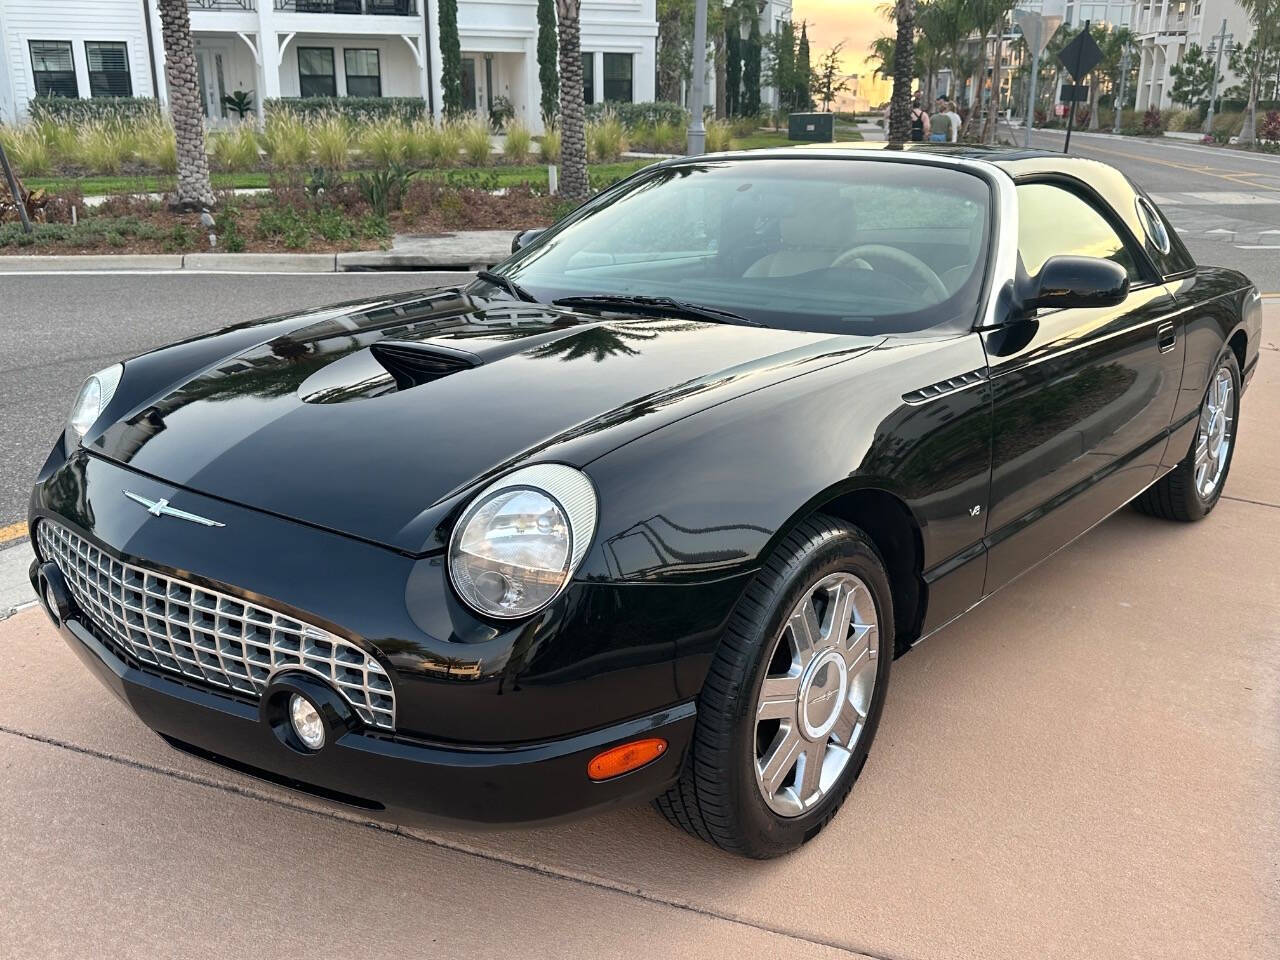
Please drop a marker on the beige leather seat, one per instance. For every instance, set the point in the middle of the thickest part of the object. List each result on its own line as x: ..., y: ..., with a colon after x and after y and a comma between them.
x: 813, y: 234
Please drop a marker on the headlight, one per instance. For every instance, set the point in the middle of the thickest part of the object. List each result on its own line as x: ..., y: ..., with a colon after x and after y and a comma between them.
x: 93, y: 399
x: 519, y: 542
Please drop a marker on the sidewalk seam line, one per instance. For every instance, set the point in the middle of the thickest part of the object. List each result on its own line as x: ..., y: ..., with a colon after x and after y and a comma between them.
x: 529, y: 866
x: 1258, y: 503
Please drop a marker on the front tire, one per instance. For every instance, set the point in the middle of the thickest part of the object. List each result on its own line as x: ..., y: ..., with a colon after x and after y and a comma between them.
x: 793, y: 696
x: 1191, y: 489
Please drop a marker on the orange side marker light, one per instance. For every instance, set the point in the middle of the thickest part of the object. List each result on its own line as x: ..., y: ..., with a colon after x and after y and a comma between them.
x: 624, y: 758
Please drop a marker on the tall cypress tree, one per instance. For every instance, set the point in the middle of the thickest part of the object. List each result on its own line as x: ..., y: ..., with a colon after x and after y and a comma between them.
x: 548, y: 51
x: 751, y: 71
x: 803, y: 71
x: 785, y: 65
x: 732, y: 67
x: 450, y: 59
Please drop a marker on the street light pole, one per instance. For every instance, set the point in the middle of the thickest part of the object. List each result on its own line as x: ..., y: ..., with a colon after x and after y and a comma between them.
x: 1220, y: 41
x: 1118, y: 104
x: 1031, y: 98
x: 697, y: 131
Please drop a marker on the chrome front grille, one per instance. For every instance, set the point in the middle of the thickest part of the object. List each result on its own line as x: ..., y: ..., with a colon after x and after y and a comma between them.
x: 207, y: 636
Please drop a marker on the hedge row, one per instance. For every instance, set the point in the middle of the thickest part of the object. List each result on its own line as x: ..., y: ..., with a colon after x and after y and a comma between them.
x: 635, y: 115
x: 75, y: 110
x: 405, y: 109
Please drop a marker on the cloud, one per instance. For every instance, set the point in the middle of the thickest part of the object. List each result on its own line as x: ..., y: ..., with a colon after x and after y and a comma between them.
x: 856, y: 22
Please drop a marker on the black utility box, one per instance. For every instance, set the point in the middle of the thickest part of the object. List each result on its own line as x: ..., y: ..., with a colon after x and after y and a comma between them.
x: 816, y: 127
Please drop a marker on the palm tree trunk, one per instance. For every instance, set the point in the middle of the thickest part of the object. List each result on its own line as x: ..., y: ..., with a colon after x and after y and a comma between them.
x: 979, y: 79
x: 574, y: 184
x: 194, y: 190
x: 903, y: 55
x: 1093, y: 101
x: 991, y: 129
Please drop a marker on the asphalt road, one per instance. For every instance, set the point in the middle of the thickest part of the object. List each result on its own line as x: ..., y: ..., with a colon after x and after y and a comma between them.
x: 1087, y: 765
x: 1225, y: 203
x: 55, y: 330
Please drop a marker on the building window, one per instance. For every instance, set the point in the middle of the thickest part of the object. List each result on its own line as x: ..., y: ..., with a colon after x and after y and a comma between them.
x: 53, y: 68
x: 108, y: 69
x: 364, y: 79
x: 315, y: 72
x: 617, y: 77
x: 588, y: 78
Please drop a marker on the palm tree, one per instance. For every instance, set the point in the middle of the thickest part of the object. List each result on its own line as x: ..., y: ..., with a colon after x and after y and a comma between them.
x: 1265, y: 16
x: 194, y: 190
x: 904, y: 12
x: 1001, y: 9
x: 949, y: 27
x: 881, y: 53
x: 574, y: 184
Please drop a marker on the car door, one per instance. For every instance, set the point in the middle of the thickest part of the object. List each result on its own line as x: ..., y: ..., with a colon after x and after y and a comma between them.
x: 1082, y: 397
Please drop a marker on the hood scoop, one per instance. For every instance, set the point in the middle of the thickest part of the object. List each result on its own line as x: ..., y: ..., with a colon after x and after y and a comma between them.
x: 412, y: 364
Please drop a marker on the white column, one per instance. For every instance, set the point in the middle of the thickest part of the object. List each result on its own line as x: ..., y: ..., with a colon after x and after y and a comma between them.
x: 269, y: 50
x: 157, y: 36
x: 433, y: 17
x: 532, y: 85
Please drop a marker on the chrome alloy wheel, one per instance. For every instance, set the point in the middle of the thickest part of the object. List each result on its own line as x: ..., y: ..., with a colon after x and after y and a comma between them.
x: 816, y: 694
x: 1213, y: 441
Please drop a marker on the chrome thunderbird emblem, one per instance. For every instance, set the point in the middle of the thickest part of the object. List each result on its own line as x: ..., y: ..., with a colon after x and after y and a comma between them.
x: 161, y: 508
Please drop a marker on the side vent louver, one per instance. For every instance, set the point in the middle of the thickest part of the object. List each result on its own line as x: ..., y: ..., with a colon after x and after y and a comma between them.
x: 412, y: 363
x: 943, y: 387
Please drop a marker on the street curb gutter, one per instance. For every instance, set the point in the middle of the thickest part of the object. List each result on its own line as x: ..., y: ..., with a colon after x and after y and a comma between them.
x: 248, y: 263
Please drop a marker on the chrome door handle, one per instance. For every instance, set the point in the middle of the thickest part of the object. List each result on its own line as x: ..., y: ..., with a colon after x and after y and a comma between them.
x: 1166, y: 337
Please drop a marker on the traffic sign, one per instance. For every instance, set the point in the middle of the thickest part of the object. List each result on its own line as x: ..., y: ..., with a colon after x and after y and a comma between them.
x: 1081, y: 55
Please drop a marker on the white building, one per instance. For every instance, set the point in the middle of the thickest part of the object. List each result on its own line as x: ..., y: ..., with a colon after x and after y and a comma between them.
x: 1166, y: 28
x: 290, y: 48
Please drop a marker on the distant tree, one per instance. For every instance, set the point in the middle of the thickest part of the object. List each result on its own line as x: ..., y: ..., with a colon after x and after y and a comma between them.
x: 1002, y: 9
x: 675, y: 47
x: 574, y: 184
x: 450, y: 58
x: 804, y: 71
x: 194, y: 190
x: 548, y: 50
x: 903, y: 54
x: 1265, y: 18
x: 831, y: 81
x: 780, y: 64
x: 1192, y: 77
x: 732, y: 67
x: 751, y: 71
x: 881, y: 54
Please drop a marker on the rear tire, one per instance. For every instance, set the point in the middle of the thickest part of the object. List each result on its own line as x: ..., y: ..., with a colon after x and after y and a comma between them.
x: 1186, y: 493
x: 736, y: 789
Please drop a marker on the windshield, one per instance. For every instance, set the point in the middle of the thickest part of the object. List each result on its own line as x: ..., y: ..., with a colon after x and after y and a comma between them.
x: 806, y: 244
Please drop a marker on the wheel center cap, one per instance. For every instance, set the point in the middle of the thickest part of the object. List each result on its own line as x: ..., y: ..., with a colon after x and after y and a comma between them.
x: 823, y: 689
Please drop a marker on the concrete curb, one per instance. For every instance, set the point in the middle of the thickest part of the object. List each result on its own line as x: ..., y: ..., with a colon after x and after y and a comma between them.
x: 250, y: 262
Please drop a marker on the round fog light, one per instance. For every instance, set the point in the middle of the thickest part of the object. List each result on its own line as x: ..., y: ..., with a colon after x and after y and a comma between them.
x: 306, y: 722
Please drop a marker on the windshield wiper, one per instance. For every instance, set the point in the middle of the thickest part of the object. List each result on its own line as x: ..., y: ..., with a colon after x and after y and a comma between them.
x: 507, y: 284
x: 661, y: 304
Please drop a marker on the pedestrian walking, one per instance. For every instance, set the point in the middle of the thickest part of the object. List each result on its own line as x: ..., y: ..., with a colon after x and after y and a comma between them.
x: 940, y: 129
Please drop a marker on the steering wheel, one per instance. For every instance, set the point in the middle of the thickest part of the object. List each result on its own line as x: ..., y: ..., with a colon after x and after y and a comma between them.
x: 914, y: 265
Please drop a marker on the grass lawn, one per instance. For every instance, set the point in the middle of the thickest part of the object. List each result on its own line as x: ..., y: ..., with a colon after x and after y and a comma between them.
x: 488, y: 177
x: 768, y: 138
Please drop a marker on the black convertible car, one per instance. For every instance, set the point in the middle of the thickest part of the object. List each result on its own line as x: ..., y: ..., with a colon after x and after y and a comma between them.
x: 649, y: 510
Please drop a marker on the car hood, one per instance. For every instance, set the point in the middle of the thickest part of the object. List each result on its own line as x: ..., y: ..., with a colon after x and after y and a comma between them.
x: 363, y: 418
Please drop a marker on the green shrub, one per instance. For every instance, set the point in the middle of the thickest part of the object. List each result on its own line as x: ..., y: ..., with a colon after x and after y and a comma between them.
x: 75, y: 111
x: 236, y: 149
x: 744, y: 126
x: 1227, y: 125
x: 63, y: 138
x: 636, y: 115
x: 331, y: 141
x: 384, y: 142
x: 606, y: 138
x: 476, y: 142
x: 384, y: 189
x: 719, y: 136
x: 106, y: 145
x: 519, y: 142
x: 356, y: 109
x: 1184, y: 121
x: 551, y: 144
x: 286, y: 141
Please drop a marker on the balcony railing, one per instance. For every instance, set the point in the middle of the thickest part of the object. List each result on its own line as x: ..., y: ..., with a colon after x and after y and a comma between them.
x: 388, y: 8
x: 222, y: 5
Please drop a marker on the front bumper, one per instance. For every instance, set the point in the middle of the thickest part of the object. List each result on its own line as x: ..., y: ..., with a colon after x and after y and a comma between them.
x: 390, y: 778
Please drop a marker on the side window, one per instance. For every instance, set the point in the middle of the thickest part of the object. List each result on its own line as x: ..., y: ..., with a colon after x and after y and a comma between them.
x: 1053, y: 221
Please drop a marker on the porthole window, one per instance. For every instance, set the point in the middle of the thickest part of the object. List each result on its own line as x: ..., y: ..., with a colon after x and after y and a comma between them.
x: 1153, y: 225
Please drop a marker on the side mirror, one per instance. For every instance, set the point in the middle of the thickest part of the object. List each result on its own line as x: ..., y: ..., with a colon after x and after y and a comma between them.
x: 1077, y: 282
x: 525, y: 237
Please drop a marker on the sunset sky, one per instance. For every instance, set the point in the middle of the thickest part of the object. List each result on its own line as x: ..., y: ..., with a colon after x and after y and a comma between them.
x: 857, y: 23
